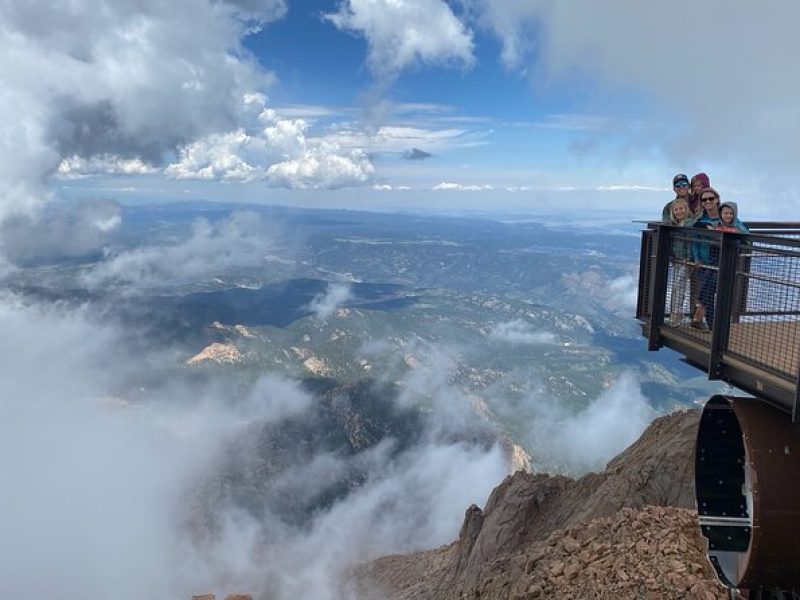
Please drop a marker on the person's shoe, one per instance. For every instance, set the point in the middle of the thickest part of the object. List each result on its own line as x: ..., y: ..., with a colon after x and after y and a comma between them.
x: 700, y: 325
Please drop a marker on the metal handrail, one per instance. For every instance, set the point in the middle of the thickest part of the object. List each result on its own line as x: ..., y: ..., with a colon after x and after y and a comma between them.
x: 762, y: 237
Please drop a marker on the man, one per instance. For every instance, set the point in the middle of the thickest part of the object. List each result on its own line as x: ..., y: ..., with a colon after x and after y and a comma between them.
x: 680, y: 183
x: 681, y: 186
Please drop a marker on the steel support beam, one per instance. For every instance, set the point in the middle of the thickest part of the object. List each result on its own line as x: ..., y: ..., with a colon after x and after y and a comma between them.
x: 726, y: 278
x: 658, y: 286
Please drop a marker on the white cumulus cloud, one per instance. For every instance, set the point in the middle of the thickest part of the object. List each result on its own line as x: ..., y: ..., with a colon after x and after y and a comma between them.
x: 129, y: 80
x: 322, y: 166
x: 405, y: 33
x: 273, y: 149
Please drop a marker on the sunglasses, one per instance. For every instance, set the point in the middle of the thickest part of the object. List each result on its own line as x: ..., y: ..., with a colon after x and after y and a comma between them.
x: 681, y: 185
x: 709, y: 199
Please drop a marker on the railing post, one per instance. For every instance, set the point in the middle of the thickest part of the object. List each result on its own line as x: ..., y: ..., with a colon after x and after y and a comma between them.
x: 644, y: 274
x: 741, y: 288
x: 796, y: 405
x: 726, y: 277
x: 658, y: 286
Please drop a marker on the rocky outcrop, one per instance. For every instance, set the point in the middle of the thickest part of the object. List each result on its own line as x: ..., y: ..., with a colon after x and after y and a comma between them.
x: 656, y: 470
x: 553, y: 536
x: 653, y: 553
x: 217, y: 353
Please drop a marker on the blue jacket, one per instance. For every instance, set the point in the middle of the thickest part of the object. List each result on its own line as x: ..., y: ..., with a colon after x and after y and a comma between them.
x: 701, y: 249
x: 736, y: 222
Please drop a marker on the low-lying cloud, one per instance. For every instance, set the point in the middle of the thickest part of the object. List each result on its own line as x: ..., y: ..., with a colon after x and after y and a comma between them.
x: 563, y: 440
x: 520, y: 332
x: 336, y: 296
x: 63, y: 230
x: 102, y: 456
x: 211, y: 249
x: 618, y: 294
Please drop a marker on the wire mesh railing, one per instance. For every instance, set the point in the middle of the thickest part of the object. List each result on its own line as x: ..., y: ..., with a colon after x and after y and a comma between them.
x: 730, y: 296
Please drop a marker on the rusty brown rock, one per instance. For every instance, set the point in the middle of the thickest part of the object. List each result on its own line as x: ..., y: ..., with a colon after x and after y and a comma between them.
x: 617, y: 534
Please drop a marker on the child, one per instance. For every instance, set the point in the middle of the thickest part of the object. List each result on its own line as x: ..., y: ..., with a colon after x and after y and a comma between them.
x: 680, y: 216
x: 728, y: 220
x: 697, y: 183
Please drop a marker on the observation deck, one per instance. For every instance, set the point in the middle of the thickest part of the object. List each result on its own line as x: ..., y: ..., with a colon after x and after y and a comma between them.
x: 754, y: 341
x: 747, y: 454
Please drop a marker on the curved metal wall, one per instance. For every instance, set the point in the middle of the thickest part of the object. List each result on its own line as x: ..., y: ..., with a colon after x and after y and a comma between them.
x: 747, y: 478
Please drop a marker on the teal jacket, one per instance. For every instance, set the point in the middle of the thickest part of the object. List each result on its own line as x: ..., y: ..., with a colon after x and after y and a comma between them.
x: 702, y: 251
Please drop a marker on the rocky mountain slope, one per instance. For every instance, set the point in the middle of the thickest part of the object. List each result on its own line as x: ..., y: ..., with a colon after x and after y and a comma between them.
x: 628, y: 532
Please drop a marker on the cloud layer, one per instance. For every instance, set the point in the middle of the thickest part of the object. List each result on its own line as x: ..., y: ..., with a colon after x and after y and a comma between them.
x: 520, y: 332
x: 710, y: 96
x: 68, y: 230
x: 99, y: 471
x: 210, y: 250
x: 131, y: 80
x: 566, y: 440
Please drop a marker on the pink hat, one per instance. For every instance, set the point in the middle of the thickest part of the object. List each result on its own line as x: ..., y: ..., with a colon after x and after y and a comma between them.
x: 702, y: 178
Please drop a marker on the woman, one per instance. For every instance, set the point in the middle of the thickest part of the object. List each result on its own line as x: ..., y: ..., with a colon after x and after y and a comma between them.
x: 706, y: 256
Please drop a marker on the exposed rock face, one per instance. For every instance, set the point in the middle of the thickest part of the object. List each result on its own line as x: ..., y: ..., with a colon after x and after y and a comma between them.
x: 656, y: 470
x: 218, y: 353
x: 651, y: 553
x: 601, y: 536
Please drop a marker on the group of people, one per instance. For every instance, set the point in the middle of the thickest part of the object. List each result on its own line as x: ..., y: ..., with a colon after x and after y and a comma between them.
x: 694, y: 261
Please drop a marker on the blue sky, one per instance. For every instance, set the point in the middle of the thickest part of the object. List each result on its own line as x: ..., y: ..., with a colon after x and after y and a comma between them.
x: 526, y: 106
